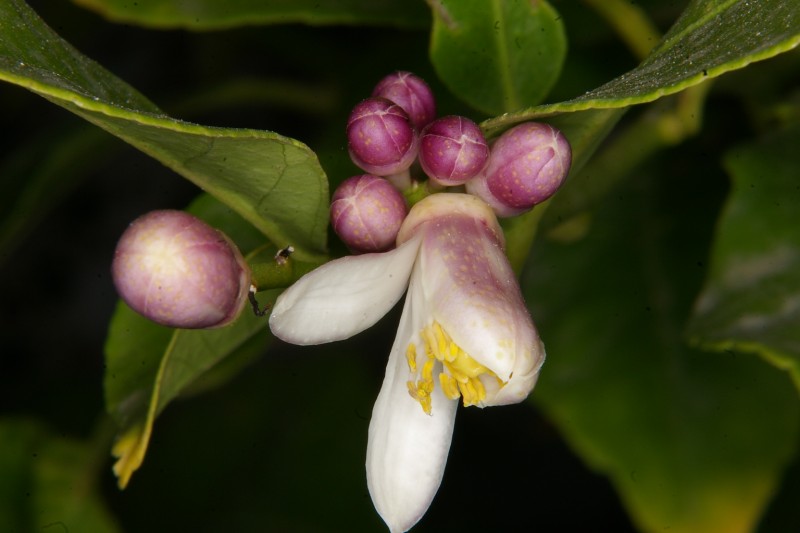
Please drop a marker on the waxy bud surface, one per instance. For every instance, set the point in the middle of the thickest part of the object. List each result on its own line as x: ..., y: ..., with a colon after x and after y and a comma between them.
x: 176, y: 270
x: 380, y: 137
x: 527, y: 165
x: 452, y: 150
x: 410, y: 92
x: 366, y: 213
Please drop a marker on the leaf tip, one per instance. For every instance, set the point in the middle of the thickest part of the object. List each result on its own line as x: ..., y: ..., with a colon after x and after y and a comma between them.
x: 129, y: 449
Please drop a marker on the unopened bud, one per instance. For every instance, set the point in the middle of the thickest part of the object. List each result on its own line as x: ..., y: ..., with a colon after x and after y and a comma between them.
x: 527, y: 165
x: 410, y: 92
x: 366, y: 213
x: 452, y: 150
x: 178, y: 271
x: 380, y: 137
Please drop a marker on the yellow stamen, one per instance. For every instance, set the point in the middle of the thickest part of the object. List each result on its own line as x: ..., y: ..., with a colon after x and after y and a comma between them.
x: 427, y: 371
x: 421, y: 395
x: 453, y: 353
x: 469, y: 393
x: 461, y: 374
x: 411, y: 356
x: 430, y: 341
x: 441, y: 341
x: 449, y: 386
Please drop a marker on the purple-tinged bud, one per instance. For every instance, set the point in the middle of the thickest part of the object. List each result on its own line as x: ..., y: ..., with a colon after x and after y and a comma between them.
x: 178, y: 271
x: 380, y: 137
x: 527, y: 165
x: 366, y: 213
x: 452, y: 150
x: 410, y: 92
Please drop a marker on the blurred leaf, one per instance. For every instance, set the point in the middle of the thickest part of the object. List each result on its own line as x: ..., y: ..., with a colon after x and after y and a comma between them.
x: 712, y: 37
x: 782, y: 514
x: 214, y: 15
x: 497, y: 55
x: 751, y: 300
x: 274, y: 182
x: 148, y: 365
x: 693, y: 442
x: 47, y: 483
x: 36, y: 176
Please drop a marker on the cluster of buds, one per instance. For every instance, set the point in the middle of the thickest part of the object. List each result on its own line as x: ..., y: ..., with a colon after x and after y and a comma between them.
x: 397, y: 127
x: 465, y: 333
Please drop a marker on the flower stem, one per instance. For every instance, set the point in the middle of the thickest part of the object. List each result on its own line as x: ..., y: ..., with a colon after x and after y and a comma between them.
x: 278, y: 274
x: 401, y: 180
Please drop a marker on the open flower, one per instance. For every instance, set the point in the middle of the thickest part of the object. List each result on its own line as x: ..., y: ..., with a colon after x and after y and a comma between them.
x: 465, y: 333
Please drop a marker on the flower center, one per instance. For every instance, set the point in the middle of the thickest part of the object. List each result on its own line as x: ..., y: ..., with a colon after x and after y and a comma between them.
x: 460, y: 375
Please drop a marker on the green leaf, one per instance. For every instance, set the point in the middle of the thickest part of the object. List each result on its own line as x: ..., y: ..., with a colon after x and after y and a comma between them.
x: 751, y: 300
x: 214, y: 15
x: 497, y: 55
x: 710, y: 38
x: 274, y: 182
x: 148, y: 366
x: 693, y: 442
x: 47, y: 483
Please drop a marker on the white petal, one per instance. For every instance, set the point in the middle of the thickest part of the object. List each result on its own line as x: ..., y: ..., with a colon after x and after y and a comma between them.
x: 474, y: 292
x: 407, y: 448
x: 343, y: 297
x: 476, y: 298
x: 523, y: 378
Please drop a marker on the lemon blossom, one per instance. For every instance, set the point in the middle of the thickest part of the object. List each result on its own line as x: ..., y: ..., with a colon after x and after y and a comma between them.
x: 464, y: 333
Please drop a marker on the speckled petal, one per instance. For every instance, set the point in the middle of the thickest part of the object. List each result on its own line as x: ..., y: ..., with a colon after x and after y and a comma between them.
x: 473, y: 293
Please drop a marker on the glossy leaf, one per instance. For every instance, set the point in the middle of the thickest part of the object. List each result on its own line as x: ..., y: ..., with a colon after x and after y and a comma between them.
x: 712, y: 37
x: 46, y: 482
x: 497, y: 55
x: 214, y: 15
x: 274, y: 182
x: 751, y: 300
x: 692, y: 441
x: 147, y: 365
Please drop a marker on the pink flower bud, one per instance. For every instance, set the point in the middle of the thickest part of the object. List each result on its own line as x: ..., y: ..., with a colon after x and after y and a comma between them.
x: 366, y: 213
x: 178, y: 271
x: 380, y: 137
x: 411, y: 93
x: 527, y: 165
x: 452, y: 150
